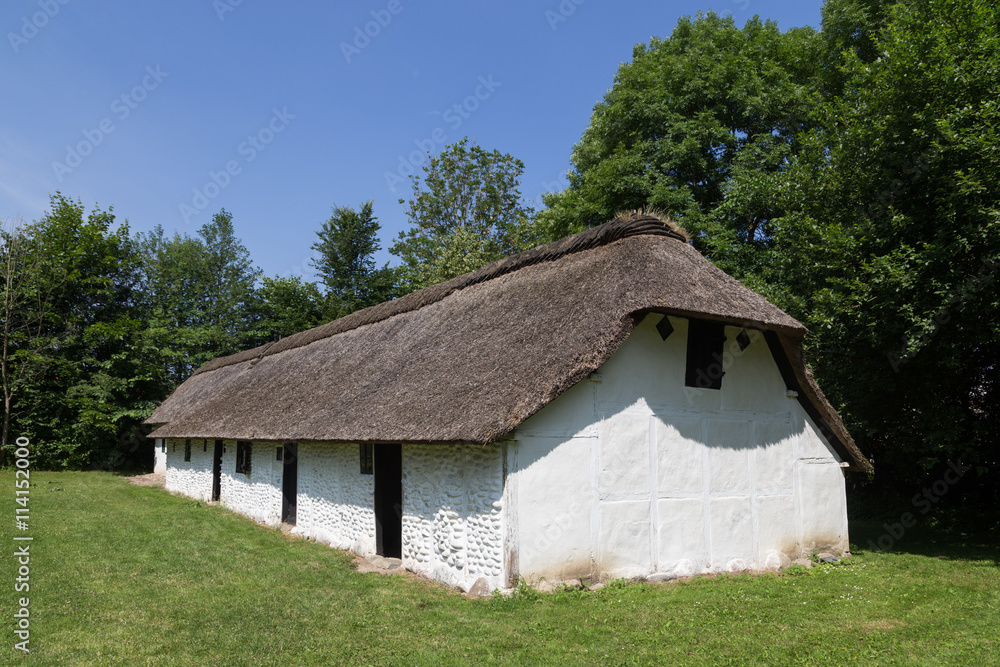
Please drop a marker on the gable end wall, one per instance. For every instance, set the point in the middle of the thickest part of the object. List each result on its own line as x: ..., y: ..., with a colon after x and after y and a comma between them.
x: 631, y: 473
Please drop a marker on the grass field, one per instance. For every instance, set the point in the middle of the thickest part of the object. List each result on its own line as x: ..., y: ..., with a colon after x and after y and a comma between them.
x: 128, y: 575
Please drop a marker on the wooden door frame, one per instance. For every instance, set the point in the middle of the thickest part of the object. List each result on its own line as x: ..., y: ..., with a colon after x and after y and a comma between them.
x: 217, y: 470
x: 289, y: 478
x: 388, y: 482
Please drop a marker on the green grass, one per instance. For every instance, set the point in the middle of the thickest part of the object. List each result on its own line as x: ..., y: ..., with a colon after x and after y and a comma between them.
x: 127, y: 575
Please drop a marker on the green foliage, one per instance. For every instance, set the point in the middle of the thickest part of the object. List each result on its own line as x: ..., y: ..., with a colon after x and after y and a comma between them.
x: 228, y: 276
x: 522, y: 594
x: 890, y: 244
x: 98, y: 327
x: 347, y: 245
x: 89, y: 382
x: 465, y: 212
x: 24, y: 314
x: 850, y: 27
x: 107, y: 325
x: 199, y: 295
x: 685, y: 116
x: 287, y: 306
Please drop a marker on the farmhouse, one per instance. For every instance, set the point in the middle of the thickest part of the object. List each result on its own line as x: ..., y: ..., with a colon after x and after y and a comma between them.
x: 609, y: 405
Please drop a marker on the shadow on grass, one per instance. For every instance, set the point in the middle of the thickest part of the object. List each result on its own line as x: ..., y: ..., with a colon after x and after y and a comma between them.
x: 924, y: 539
x: 129, y: 471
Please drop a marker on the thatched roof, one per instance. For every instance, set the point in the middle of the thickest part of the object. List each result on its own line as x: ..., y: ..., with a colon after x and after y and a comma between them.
x: 469, y: 359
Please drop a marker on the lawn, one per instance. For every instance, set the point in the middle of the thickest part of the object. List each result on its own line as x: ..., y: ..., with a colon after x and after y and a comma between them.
x: 128, y: 575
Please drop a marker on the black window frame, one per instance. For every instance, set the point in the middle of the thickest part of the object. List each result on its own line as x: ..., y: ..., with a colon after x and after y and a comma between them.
x: 187, y: 450
x: 704, y: 367
x: 244, y: 457
x: 366, y: 457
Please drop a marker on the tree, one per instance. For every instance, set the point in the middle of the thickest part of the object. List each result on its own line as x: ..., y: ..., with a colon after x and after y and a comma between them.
x: 199, y: 295
x: 684, y: 117
x: 287, y: 306
x: 465, y: 212
x: 347, y: 244
x: 25, y: 304
x: 890, y: 242
x: 229, y: 277
x: 850, y: 27
x: 90, y: 381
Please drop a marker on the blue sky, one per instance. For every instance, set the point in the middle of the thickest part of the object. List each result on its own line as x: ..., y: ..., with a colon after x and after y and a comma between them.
x: 276, y: 112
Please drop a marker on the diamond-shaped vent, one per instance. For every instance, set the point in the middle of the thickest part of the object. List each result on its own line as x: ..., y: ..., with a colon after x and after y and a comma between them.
x: 665, y: 327
x: 743, y: 339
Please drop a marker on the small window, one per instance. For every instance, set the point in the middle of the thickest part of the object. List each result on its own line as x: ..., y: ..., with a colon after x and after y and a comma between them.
x: 204, y: 445
x: 163, y: 445
x: 173, y: 446
x: 244, y: 450
x: 705, y: 366
x: 366, y: 460
x: 187, y: 450
x: 280, y: 453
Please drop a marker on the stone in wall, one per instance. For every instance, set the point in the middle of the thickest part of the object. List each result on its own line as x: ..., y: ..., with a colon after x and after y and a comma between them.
x: 192, y: 478
x: 335, y: 501
x: 452, y: 513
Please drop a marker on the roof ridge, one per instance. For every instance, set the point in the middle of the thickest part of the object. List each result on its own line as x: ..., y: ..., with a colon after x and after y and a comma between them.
x: 623, y: 226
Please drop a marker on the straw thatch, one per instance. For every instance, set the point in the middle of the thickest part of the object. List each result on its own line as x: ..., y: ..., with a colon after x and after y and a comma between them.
x: 469, y: 359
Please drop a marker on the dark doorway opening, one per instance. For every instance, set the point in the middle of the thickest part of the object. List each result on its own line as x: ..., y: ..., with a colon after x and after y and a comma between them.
x: 217, y: 472
x: 389, y: 500
x: 289, y: 482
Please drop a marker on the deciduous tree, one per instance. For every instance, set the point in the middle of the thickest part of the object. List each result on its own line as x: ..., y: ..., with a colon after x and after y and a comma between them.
x: 889, y: 246
x: 688, y: 114
x: 466, y: 211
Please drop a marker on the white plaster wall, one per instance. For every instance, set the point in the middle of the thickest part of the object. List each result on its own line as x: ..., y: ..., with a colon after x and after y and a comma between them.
x: 257, y: 495
x: 335, y: 502
x: 632, y: 473
x: 159, y: 457
x: 452, y: 513
x: 192, y: 478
